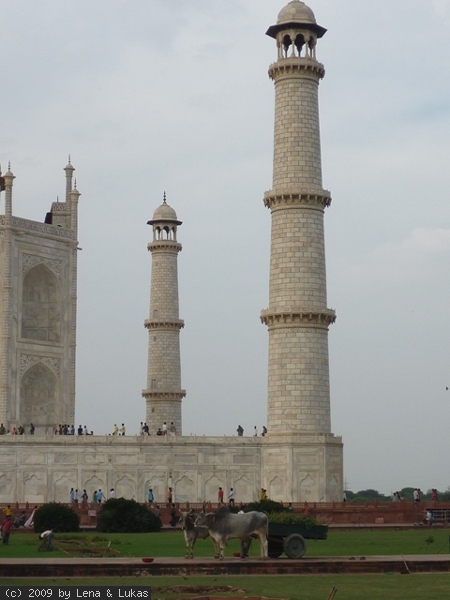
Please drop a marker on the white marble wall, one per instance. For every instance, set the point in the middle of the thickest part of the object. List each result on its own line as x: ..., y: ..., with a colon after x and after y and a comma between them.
x: 44, y: 468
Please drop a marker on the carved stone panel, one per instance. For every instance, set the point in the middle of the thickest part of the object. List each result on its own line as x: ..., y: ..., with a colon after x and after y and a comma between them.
x: 29, y: 261
x: 35, y: 487
x: 39, y: 395
x: 92, y: 482
x: 211, y: 486
x: 308, y: 488
x: 244, y: 459
x: 62, y: 482
x: 157, y: 483
x: 276, y: 488
x: 29, y: 458
x: 214, y: 458
x: 184, y: 488
x: 185, y: 459
x: 65, y: 458
x: 7, y: 486
x: 41, y: 305
x: 8, y: 458
x: 156, y: 459
x: 275, y: 458
x: 244, y: 488
x: 94, y: 458
x: 125, y: 487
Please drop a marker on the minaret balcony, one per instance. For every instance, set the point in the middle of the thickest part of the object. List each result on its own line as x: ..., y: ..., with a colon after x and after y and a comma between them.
x: 164, y: 246
x: 296, y: 65
x: 298, y: 318
x: 163, y: 395
x: 318, y: 200
x: 164, y: 324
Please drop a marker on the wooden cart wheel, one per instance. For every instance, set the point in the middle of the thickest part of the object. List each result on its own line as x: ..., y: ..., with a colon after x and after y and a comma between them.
x: 294, y: 546
x: 275, y: 549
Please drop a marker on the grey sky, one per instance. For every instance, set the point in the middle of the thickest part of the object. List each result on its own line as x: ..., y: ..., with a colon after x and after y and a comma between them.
x: 152, y: 95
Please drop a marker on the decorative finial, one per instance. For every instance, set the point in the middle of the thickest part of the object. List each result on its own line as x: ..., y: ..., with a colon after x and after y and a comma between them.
x: 69, y: 160
x: 75, y: 184
x: 57, y: 198
x: 164, y: 198
x: 9, y: 165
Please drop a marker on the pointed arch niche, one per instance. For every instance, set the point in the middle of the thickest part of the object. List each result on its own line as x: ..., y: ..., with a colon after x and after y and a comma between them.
x: 39, y: 393
x: 41, y: 305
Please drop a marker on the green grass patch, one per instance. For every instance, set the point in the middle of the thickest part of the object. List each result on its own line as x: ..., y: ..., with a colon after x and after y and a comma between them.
x: 350, y: 587
x: 358, y: 542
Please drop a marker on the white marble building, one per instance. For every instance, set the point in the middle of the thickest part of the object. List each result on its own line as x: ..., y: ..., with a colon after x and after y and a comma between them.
x: 299, y: 459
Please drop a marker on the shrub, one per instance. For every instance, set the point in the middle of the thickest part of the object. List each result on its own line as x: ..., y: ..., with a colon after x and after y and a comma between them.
x: 292, y: 519
x: 59, y: 517
x: 119, y: 515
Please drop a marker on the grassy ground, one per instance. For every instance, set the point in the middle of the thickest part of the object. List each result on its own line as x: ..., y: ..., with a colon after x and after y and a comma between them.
x: 358, y: 542
x: 367, y: 587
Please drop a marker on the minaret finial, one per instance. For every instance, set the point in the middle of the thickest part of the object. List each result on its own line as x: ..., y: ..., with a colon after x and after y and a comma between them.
x: 75, y: 184
x: 164, y: 198
x: 69, y: 160
x: 9, y: 165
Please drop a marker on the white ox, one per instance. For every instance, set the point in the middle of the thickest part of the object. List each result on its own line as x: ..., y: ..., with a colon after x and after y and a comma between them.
x: 223, y: 525
x: 191, y: 532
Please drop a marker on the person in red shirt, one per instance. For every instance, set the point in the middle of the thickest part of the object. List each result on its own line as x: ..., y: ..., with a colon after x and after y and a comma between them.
x: 220, y: 495
x: 6, y: 529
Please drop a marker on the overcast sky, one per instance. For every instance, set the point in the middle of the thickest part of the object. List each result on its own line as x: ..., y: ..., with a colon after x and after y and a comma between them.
x: 154, y: 95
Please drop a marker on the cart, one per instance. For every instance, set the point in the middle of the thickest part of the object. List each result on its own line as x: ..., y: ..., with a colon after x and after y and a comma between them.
x: 290, y: 539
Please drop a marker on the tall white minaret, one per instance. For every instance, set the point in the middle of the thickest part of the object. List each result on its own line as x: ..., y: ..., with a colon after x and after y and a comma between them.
x: 164, y: 394
x: 297, y: 317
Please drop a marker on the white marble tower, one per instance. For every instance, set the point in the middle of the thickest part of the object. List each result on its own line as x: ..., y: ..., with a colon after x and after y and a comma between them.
x: 297, y: 317
x: 164, y: 393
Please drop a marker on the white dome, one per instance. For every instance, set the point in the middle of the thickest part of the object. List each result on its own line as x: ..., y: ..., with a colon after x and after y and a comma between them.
x: 296, y: 12
x: 164, y: 213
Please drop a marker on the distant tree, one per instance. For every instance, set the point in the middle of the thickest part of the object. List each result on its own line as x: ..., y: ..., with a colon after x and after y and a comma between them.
x: 369, y: 495
x: 445, y: 496
x: 407, y: 493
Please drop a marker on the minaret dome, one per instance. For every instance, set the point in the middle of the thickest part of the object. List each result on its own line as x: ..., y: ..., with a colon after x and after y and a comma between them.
x: 164, y: 222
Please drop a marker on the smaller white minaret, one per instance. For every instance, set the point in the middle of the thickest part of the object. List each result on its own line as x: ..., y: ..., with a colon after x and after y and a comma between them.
x: 164, y: 393
x: 6, y: 184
